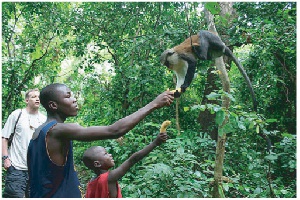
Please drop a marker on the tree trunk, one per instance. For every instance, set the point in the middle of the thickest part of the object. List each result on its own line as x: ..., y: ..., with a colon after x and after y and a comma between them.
x: 205, y: 118
x: 217, y: 191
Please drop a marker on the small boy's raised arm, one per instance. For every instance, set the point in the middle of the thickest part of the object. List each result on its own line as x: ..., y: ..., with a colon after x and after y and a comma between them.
x: 119, y: 172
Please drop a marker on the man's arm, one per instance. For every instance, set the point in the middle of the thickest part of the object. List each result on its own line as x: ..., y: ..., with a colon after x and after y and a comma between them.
x: 116, y: 130
x: 6, y: 132
x: 6, y: 162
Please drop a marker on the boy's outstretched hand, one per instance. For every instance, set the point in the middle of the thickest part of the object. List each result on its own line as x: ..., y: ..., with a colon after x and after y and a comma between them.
x: 164, y: 99
x: 162, y: 137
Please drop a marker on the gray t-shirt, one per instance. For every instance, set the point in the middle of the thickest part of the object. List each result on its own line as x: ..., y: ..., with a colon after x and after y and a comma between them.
x: 23, y: 134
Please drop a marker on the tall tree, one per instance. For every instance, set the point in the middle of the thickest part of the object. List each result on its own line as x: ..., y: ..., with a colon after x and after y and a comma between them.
x: 221, y: 139
x: 31, y: 34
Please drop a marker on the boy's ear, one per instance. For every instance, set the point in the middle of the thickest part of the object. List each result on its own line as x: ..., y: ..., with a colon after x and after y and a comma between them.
x: 97, y: 164
x: 52, y: 105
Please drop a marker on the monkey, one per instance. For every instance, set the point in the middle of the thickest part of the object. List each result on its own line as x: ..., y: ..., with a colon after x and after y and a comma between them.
x: 182, y: 59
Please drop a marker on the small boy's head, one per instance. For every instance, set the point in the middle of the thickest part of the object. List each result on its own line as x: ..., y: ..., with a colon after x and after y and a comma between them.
x: 97, y: 158
x: 56, y: 98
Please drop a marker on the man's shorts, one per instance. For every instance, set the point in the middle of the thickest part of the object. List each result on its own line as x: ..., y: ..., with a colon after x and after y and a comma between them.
x: 16, y: 183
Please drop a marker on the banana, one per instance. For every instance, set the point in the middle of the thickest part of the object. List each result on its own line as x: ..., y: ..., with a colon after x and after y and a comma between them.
x: 164, y: 126
x: 176, y: 90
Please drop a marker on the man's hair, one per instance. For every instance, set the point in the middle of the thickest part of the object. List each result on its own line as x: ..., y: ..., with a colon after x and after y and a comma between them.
x: 31, y: 90
x: 49, y: 93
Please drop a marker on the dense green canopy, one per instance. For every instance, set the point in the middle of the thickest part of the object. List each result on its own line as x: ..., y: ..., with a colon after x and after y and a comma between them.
x: 108, y: 54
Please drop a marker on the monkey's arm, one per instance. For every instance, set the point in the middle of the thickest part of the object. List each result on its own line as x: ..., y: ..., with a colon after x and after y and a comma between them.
x: 189, y: 75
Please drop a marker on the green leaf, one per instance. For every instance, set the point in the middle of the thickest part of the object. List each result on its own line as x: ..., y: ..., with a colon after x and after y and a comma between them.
x: 213, y: 96
x: 287, y: 135
x: 258, y: 190
x: 221, y: 193
x: 271, y: 157
x: 212, y: 7
x: 180, y: 150
x: 221, y: 132
x: 226, y: 187
x: 241, y: 125
x: 284, y: 191
x: 271, y: 120
x: 185, y: 109
x: 36, y: 54
x: 251, y: 125
x: 202, y: 107
x: 220, y: 116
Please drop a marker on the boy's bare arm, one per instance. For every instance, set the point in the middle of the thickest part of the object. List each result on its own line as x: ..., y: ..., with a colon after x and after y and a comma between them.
x: 116, y: 130
x: 119, y: 172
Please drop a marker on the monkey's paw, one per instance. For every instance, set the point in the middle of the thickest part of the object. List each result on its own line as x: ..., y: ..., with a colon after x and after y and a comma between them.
x: 177, y: 92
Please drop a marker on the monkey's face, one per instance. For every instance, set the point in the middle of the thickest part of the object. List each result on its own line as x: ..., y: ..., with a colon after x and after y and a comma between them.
x: 169, y: 58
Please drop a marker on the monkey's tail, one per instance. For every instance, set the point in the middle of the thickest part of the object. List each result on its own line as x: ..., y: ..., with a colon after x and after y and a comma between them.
x: 229, y: 53
x: 268, y: 140
x: 238, y: 64
x: 247, y: 81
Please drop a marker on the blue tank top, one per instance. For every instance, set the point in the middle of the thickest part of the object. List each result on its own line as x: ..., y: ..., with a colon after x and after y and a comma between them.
x: 46, y: 179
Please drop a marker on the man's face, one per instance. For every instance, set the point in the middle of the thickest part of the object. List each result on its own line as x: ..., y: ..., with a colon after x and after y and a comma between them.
x: 33, y: 100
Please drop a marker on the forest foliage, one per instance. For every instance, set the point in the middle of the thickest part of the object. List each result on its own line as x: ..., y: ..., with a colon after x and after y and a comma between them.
x: 108, y: 54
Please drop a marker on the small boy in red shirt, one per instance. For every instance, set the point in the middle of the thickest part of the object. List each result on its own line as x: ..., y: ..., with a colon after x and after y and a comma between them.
x: 106, y: 184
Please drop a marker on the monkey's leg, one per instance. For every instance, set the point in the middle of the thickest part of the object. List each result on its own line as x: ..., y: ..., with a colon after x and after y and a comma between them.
x: 200, y: 52
x: 215, y: 46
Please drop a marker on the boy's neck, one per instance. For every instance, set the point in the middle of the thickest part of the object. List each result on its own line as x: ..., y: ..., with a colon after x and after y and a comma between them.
x: 98, y: 172
x: 55, y: 116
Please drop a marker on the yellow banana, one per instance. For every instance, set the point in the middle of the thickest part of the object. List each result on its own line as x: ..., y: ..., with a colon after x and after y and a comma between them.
x: 164, y: 126
x: 178, y: 89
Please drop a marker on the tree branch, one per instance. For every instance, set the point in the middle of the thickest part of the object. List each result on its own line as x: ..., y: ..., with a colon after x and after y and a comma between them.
x: 27, y: 73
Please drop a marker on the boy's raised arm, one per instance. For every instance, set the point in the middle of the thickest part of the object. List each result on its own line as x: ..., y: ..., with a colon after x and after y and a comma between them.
x: 119, y: 172
x: 117, y: 129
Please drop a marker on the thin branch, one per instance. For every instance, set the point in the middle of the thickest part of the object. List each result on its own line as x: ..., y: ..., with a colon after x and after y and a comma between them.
x: 113, y: 55
x: 28, y: 72
x: 282, y: 63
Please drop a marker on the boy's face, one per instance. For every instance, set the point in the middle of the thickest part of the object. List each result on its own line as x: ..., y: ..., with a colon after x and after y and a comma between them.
x: 66, y: 103
x: 104, y: 159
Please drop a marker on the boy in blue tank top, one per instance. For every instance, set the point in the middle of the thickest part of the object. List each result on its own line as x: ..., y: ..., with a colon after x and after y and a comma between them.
x: 50, y: 155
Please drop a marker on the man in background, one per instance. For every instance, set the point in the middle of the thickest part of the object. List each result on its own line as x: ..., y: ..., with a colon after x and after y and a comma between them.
x: 21, y: 122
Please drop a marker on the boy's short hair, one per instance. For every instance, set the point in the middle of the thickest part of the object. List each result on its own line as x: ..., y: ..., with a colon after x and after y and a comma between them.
x: 48, y: 93
x: 31, y: 90
x: 89, y: 157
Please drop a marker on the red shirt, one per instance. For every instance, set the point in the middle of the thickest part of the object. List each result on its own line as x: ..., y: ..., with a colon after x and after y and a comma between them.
x: 98, y: 188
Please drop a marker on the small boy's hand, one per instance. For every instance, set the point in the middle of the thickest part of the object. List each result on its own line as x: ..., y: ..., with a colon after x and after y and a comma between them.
x: 162, y: 137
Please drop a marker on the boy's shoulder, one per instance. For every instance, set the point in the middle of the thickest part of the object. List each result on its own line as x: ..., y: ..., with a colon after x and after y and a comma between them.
x: 102, y: 178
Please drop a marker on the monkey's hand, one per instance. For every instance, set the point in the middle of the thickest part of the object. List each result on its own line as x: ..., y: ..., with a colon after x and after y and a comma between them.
x: 164, y: 126
x: 177, y: 92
